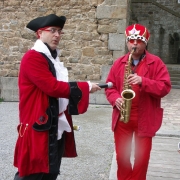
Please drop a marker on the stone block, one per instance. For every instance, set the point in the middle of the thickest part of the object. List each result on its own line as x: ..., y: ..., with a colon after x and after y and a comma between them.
x: 121, y: 26
x: 122, y: 2
x: 9, y: 89
x: 88, y: 51
x: 104, y: 72
x: 116, y: 42
x: 98, y: 97
x: 117, y: 54
x: 114, y: 12
x: 115, y: 2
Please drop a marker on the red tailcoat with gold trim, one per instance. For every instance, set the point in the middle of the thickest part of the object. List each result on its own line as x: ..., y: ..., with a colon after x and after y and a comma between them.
x: 36, y: 85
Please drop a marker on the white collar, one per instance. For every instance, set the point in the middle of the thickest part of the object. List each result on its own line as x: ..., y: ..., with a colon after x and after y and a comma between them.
x: 41, y: 47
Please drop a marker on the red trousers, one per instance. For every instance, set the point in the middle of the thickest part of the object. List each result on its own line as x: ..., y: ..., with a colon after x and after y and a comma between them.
x: 123, y: 135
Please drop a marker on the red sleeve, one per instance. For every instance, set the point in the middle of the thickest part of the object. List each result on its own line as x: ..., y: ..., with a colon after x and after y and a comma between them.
x: 84, y: 102
x: 79, y: 98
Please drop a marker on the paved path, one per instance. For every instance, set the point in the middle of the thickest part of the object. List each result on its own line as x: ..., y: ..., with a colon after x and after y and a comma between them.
x: 95, y: 146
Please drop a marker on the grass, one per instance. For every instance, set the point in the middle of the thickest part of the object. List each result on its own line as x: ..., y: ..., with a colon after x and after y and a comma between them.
x: 1, y: 99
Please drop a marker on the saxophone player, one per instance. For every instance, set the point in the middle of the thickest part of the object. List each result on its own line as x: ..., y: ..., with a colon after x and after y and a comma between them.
x: 150, y: 81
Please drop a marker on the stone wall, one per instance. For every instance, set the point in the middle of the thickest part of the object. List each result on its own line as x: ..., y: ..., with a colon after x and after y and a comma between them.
x: 93, y: 34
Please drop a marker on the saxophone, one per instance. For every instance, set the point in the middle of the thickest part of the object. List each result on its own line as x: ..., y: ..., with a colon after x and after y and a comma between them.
x: 127, y: 94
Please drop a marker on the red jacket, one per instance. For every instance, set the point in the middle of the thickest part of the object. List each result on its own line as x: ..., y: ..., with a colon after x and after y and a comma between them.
x: 155, y: 85
x: 36, y: 85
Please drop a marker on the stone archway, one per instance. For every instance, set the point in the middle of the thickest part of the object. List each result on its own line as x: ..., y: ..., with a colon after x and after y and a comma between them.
x: 174, y: 48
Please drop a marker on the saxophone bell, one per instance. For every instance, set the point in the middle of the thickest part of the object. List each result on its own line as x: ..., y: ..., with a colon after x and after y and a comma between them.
x: 127, y: 95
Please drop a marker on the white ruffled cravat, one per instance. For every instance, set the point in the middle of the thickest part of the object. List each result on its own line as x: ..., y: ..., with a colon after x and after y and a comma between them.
x: 62, y: 75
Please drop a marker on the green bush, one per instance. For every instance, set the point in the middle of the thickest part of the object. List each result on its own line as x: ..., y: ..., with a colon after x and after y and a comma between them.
x: 1, y: 99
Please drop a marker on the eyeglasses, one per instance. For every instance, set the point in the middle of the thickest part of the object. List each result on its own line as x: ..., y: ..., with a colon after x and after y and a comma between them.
x: 138, y: 41
x: 53, y: 31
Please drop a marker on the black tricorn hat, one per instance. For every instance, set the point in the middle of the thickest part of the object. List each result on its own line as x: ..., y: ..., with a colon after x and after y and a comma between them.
x: 45, y: 21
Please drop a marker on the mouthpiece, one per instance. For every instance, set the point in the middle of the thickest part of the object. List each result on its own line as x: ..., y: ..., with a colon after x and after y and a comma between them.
x: 134, y: 49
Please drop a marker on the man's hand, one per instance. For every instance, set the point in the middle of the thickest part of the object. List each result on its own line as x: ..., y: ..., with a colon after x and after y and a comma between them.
x: 119, y: 102
x: 134, y: 79
x: 94, y: 88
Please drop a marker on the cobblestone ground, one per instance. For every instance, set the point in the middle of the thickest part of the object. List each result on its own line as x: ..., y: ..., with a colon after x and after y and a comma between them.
x: 171, y: 118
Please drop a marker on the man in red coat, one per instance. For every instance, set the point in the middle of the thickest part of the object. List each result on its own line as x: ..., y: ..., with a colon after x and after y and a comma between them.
x: 143, y: 77
x: 46, y: 102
